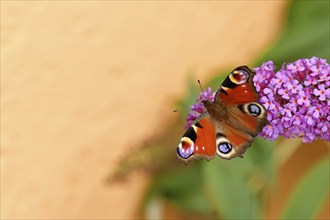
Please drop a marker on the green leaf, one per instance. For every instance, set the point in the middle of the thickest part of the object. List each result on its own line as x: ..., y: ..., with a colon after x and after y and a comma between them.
x: 181, y: 187
x: 229, y: 191
x: 261, y: 153
x: 310, y: 193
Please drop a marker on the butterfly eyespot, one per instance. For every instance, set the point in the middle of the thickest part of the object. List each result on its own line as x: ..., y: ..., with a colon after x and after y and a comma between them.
x: 239, y: 77
x: 224, y: 147
x: 254, y: 109
x: 185, y: 148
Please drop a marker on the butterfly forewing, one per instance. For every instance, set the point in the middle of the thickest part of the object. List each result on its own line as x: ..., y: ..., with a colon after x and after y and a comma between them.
x: 237, y: 87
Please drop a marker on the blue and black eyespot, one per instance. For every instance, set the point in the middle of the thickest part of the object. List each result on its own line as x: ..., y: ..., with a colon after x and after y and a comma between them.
x: 224, y: 147
x: 183, y: 154
x: 185, y: 148
x: 254, y: 109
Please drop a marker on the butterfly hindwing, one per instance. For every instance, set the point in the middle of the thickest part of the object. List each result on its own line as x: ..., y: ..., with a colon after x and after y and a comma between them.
x: 199, y: 141
x: 241, y: 128
x: 232, y: 142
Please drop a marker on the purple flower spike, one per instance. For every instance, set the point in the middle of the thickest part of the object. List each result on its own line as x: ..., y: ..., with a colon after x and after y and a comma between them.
x: 198, y: 108
x: 301, y: 95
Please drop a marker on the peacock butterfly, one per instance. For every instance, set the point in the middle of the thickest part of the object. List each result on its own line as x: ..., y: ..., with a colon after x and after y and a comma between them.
x: 229, y: 124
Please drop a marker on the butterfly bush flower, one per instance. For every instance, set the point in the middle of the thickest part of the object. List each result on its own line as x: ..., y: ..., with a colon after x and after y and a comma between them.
x: 198, y: 108
x: 297, y: 99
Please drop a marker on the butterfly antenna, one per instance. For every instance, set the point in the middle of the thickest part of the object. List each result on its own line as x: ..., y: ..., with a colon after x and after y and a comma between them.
x: 200, y: 85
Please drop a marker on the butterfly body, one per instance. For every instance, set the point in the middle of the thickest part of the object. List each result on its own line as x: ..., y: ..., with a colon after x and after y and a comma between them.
x: 229, y: 124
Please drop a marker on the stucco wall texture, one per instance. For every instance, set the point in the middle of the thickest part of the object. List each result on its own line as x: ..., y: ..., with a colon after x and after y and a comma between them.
x: 84, y: 81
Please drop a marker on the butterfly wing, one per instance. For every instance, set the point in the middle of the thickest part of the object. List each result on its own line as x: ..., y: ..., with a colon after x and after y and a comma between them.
x: 239, y: 118
x: 238, y: 131
x: 237, y: 88
x: 199, y: 141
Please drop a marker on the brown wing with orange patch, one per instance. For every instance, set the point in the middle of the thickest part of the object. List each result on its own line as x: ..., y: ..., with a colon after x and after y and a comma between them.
x: 241, y: 118
x: 236, y: 133
x: 232, y: 142
x: 199, y: 141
